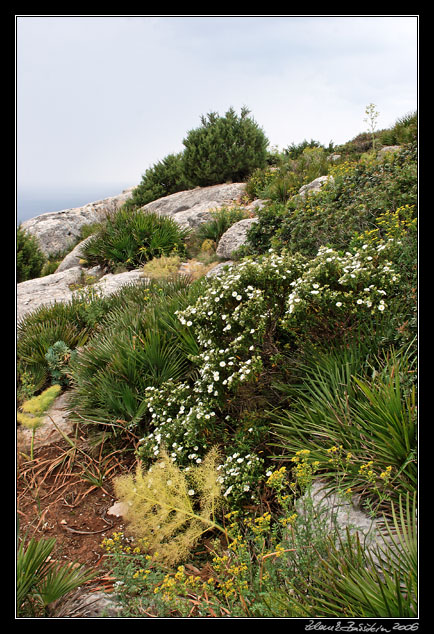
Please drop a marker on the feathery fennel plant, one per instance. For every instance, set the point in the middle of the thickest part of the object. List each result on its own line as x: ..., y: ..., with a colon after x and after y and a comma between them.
x: 170, y: 509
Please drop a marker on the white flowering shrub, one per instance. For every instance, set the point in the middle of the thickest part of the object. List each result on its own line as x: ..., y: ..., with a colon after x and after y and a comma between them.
x: 234, y: 321
x: 352, y: 282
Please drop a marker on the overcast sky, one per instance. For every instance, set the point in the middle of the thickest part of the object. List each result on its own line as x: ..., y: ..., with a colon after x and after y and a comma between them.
x: 102, y: 98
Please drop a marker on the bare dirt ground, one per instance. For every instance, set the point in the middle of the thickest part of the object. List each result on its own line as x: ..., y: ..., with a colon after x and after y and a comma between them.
x: 61, y: 494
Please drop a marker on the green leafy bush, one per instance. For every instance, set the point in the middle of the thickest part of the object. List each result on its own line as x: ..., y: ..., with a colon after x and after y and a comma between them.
x: 295, y: 168
x: 403, y: 131
x: 295, y: 150
x: 348, y: 206
x: 258, y: 181
x: 162, y: 179
x: 260, y: 235
x: 132, y: 237
x: 29, y: 257
x: 224, y: 148
x: 352, y: 150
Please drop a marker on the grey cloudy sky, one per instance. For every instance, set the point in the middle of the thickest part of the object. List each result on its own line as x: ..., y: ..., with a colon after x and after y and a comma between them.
x: 102, y: 98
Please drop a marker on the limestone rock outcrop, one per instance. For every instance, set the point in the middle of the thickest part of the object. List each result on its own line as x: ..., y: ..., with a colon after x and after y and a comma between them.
x: 57, y: 287
x: 315, y: 185
x: 73, y: 258
x: 234, y: 238
x: 191, y: 208
x: 57, y: 230
x: 46, y: 290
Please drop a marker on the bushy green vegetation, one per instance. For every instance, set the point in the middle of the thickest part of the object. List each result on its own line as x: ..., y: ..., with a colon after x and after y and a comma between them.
x: 350, y: 204
x: 29, y: 257
x: 131, y: 238
x: 223, y: 148
x: 237, y: 392
x: 162, y: 179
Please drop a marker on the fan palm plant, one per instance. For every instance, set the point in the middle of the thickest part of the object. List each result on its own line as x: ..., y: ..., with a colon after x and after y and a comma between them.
x: 41, y: 581
x: 131, y: 238
x: 378, y: 583
x: 343, y: 402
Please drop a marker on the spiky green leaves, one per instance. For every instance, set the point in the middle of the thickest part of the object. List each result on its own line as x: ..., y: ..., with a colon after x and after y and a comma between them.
x: 41, y: 580
x: 131, y: 238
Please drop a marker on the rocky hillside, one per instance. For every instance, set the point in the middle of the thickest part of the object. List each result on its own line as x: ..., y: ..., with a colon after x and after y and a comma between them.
x: 269, y: 402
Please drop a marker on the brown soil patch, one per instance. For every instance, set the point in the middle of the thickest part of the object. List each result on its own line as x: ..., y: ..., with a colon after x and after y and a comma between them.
x: 57, y: 498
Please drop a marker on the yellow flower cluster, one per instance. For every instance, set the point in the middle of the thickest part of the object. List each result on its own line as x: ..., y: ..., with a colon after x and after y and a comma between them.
x: 385, y: 475
x: 275, y: 480
x: 174, y: 585
x: 367, y: 472
x: 343, y: 168
x: 336, y: 457
x: 399, y: 222
x: 141, y: 574
x: 234, y: 582
x: 285, y: 521
x: 113, y: 543
x: 116, y: 544
x: 391, y: 225
x: 259, y: 525
x: 303, y: 470
x: 279, y: 550
x: 300, y: 455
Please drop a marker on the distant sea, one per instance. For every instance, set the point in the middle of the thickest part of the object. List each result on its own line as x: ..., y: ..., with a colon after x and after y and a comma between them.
x: 32, y: 202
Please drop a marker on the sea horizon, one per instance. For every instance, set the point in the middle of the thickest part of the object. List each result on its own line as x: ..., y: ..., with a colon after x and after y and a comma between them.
x: 33, y: 201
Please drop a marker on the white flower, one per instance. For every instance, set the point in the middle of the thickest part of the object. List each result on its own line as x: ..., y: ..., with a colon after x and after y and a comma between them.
x: 381, y: 307
x: 191, y: 492
x: 228, y: 490
x: 222, y: 364
x: 338, y: 303
x: 189, y: 323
